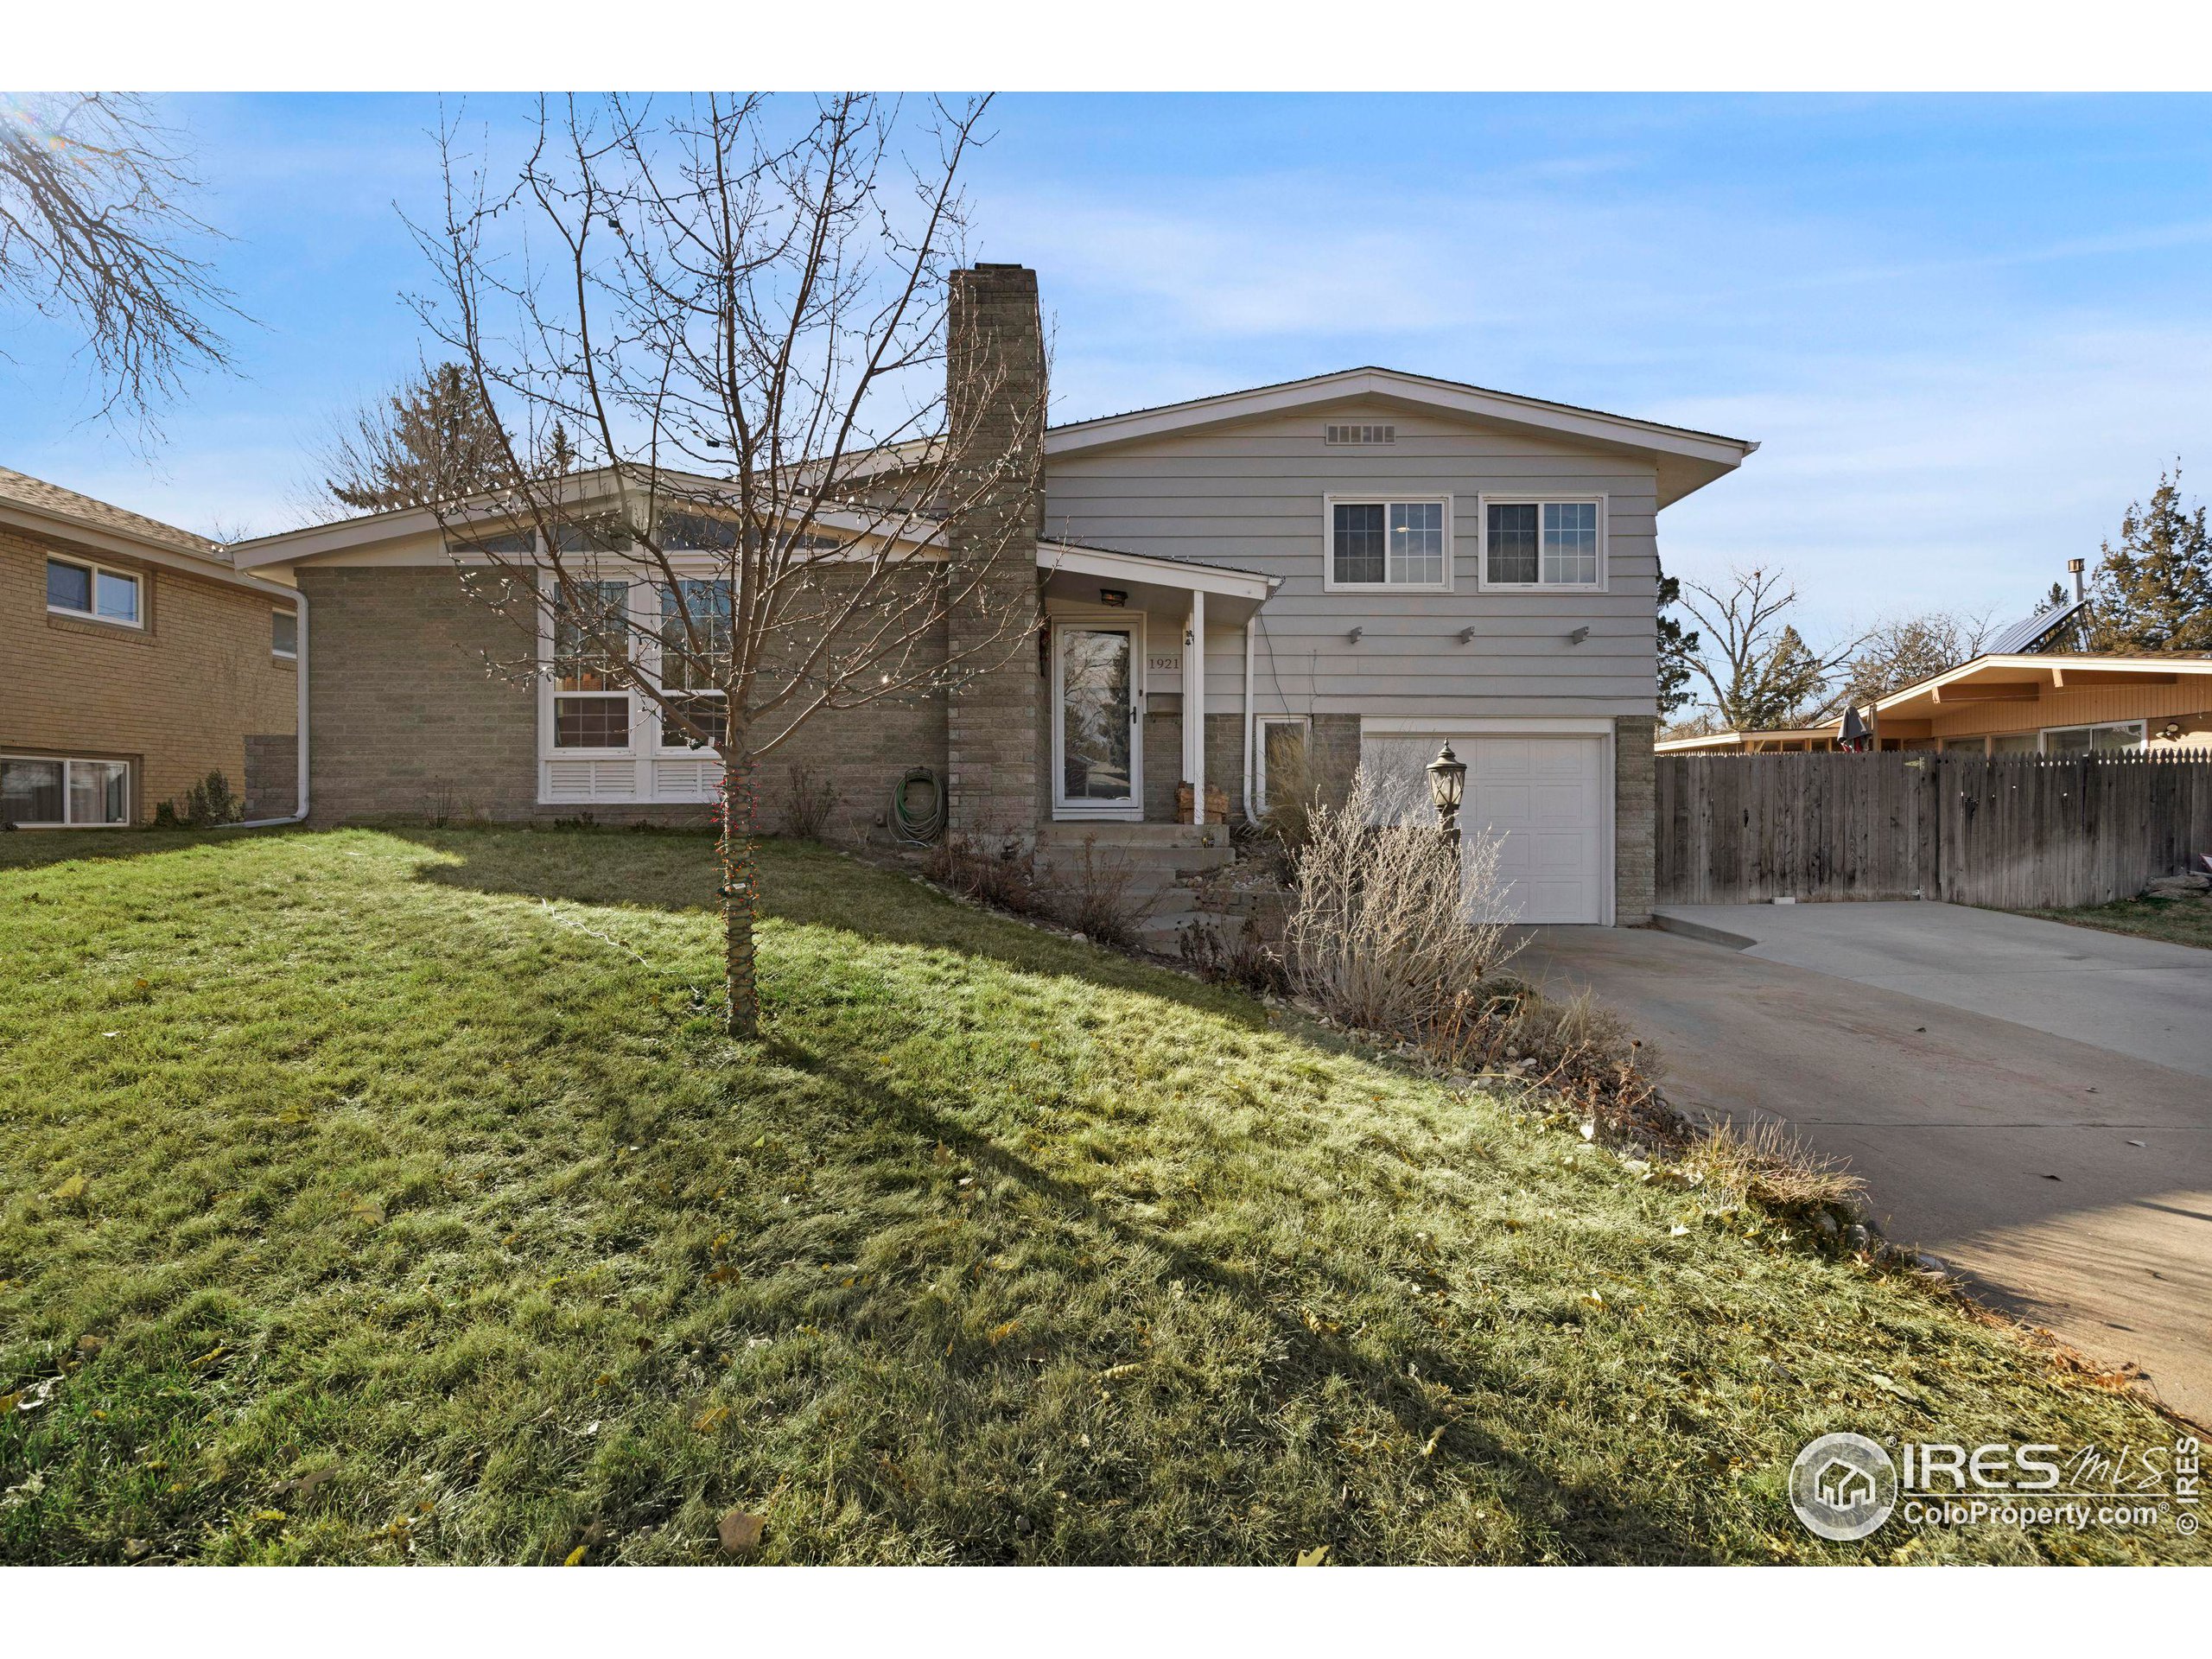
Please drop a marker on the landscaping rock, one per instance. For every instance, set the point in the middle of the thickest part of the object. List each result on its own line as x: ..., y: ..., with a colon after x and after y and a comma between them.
x: 1857, y: 1236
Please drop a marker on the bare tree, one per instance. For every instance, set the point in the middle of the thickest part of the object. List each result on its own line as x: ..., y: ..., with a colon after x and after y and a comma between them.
x: 1899, y: 653
x: 1759, y: 669
x: 740, y: 314
x: 92, y: 229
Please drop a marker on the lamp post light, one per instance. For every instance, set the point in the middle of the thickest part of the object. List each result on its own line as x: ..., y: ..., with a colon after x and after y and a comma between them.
x: 1448, y: 782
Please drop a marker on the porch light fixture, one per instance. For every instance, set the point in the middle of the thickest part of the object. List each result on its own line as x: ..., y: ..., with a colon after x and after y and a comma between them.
x: 1117, y: 597
x: 1447, y: 783
x: 2170, y: 730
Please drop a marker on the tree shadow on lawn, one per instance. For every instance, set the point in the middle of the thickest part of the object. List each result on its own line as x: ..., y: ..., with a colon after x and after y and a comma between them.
x: 803, y: 883
x: 1596, y: 1523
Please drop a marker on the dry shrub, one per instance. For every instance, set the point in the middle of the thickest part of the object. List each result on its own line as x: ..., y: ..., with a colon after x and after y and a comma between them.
x: 993, y: 870
x: 1245, y: 958
x: 809, y: 800
x: 1378, y: 931
x: 1775, y: 1168
x: 1096, y: 902
x: 1574, y: 1048
x: 1294, y: 792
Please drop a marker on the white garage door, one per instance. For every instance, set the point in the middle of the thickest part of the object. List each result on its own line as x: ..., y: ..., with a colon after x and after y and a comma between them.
x: 1545, y: 796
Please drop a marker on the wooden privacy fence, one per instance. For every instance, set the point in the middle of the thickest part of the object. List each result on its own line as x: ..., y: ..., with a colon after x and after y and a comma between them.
x: 2016, y: 832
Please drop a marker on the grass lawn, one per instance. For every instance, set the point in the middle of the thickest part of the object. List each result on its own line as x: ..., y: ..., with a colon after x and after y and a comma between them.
x: 370, y: 1196
x: 2186, y: 921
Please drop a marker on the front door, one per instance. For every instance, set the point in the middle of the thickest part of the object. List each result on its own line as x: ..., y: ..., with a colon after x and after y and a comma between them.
x: 1097, y: 743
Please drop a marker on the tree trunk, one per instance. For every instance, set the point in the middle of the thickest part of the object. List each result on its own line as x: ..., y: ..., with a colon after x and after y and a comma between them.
x: 740, y: 887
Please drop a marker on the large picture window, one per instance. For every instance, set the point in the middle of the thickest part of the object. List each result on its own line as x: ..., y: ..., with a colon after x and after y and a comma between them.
x: 1539, y: 544
x: 41, y: 793
x: 1383, y: 544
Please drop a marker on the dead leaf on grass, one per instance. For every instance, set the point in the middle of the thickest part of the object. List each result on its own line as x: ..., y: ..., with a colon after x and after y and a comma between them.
x: 741, y: 1531
x: 1317, y: 1556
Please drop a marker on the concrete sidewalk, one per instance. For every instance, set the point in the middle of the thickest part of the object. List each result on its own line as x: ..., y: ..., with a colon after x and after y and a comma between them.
x: 2072, y: 1181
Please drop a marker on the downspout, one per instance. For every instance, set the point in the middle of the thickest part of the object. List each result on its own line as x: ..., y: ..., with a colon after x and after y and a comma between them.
x: 300, y: 666
x: 1250, y: 724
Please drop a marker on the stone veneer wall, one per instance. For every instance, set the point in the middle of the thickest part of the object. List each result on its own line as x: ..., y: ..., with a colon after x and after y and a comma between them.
x: 1635, y: 824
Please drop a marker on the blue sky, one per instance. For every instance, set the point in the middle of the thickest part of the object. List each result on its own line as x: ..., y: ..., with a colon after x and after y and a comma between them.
x: 1967, y: 330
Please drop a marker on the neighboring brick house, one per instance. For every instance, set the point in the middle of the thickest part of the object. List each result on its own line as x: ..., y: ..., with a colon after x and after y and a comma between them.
x: 1347, y: 570
x: 135, y: 659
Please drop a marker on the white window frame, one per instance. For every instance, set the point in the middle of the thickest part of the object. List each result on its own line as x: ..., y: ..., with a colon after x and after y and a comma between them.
x: 93, y: 571
x: 549, y: 747
x: 661, y: 748
x: 1384, y: 499
x: 1064, y: 810
x: 2142, y: 729
x: 1260, y: 724
x: 1559, y: 497
x: 276, y: 650
x: 130, y: 788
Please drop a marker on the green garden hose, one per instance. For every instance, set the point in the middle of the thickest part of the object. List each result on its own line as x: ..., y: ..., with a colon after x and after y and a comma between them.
x: 918, y: 829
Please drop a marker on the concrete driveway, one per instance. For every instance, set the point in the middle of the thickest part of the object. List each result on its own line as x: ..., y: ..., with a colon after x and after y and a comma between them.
x: 2027, y: 1100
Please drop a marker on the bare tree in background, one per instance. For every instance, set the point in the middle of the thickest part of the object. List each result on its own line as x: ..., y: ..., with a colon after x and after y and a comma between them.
x: 738, y: 312
x: 1914, y: 648
x: 93, y: 231
x: 1760, y: 671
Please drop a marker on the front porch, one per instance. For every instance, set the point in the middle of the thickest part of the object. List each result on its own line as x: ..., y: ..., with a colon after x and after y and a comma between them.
x: 1132, y: 643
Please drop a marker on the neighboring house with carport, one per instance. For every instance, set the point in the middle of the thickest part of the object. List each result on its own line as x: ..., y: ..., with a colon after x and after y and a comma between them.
x: 2021, y: 697
x: 1352, y: 568
x: 135, y: 659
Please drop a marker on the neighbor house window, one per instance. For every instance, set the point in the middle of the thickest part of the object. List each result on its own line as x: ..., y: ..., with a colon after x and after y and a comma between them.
x: 1536, y: 544
x: 284, y: 634
x: 2084, y: 740
x: 2013, y: 743
x: 1388, y: 544
x: 1284, y: 772
x: 93, y: 590
x: 591, y: 707
x: 40, y: 793
x: 694, y: 644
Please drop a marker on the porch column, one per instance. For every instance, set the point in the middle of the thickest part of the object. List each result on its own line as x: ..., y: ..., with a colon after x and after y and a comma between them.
x: 1194, y: 705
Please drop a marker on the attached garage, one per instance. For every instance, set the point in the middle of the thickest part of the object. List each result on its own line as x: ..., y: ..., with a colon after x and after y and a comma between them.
x: 1546, y: 792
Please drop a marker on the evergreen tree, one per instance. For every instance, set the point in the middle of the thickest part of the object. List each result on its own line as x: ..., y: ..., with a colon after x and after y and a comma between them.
x: 433, y: 439
x: 1677, y: 649
x: 2153, y: 592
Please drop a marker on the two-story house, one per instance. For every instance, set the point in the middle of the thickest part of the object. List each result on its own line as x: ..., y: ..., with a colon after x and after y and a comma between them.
x: 135, y: 659
x: 1345, y: 571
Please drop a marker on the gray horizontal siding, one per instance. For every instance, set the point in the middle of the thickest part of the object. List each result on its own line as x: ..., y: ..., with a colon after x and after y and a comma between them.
x: 1251, y: 496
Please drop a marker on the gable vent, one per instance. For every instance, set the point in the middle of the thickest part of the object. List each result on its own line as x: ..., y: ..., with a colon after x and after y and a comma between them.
x: 1360, y: 435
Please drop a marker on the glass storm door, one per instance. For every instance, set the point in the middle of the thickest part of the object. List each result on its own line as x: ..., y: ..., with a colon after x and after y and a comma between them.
x: 1097, y: 751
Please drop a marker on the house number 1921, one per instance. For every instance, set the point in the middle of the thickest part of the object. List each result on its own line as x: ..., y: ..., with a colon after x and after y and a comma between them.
x: 1168, y: 664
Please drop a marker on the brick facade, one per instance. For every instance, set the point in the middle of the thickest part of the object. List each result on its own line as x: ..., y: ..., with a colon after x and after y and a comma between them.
x: 178, y: 698
x: 1635, y: 804
x: 995, y: 394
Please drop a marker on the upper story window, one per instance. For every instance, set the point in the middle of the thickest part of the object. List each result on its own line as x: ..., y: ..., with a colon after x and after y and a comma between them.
x: 284, y: 634
x: 1536, y: 544
x: 1385, y: 545
x: 78, y: 589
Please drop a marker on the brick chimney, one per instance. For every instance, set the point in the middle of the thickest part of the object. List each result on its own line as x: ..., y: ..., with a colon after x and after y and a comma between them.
x: 994, y: 369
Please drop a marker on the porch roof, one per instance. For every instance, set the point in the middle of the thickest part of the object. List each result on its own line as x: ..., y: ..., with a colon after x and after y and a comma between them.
x: 1079, y: 574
